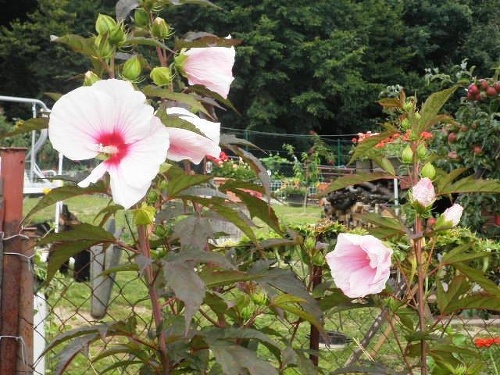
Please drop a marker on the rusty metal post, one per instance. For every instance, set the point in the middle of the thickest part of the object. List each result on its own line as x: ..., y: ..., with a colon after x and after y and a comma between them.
x: 12, y: 344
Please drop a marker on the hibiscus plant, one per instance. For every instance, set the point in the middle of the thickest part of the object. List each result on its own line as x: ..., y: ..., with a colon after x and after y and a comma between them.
x: 147, y: 113
x: 407, y: 239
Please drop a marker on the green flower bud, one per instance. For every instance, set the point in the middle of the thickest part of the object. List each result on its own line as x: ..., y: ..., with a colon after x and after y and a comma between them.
x: 310, y: 243
x: 318, y: 259
x: 132, y: 68
x: 407, y: 106
x: 103, y: 46
x: 160, y: 28
x: 161, y: 76
x: 428, y: 171
x: 422, y: 151
x: 407, y: 155
x: 90, y: 78
x: 104, y: 24
x: 405, y: 124
x: 141, y: 18
x: 259, y: 296
x: 117, y: 36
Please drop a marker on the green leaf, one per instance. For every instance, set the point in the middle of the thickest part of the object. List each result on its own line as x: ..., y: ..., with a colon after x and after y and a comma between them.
x: 28, y: 126
x: 77, y: 43
x: 431, y: 108
x: 457, y: 288
x: 459, y: 254
x: 365, y: 147
x: 477, y: 276
x: 179, y: 181
x: 144, y: 215
x: 214, y: 278
x: 194, y: 104
x: 236, y: 360
x: 354, y: 179
x: 230, y: 213
x: 64, y: 192
x: 187, y: 286
x: 471, y: 185
x: 385, y: 226
x: 256, y: 206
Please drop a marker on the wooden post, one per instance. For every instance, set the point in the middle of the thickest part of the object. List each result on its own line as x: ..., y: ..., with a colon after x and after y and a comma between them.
x: 12, y: 344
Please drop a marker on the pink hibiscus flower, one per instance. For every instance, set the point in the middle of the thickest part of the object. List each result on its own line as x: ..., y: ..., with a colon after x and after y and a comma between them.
x: 111, y: 121
x: 188, y: 145
x: 360, y: 265
x: 423, y: 192
x: 210, y: 67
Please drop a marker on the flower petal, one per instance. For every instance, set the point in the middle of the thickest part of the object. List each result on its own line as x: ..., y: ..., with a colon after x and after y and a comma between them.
x: 211, y: 67
x: 187, y: 145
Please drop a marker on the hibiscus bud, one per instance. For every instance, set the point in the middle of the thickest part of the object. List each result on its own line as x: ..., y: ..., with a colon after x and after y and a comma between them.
x: 310, y: 243
x: 423, y: 192
x: 450, y: 217
x: 428, y: 171
x: 161, y: 76
x: 405, y: 124
x: 421, y: 151
x: 132, y: 68
x: 407, y: 155
x: 118, y: 36
x: 103, y: 46
x: 318, y: 259
x: 160, y: 28
x: 259, y: 296
x: 104, y: 24
x: 90, y: 78
x: 140, y: 18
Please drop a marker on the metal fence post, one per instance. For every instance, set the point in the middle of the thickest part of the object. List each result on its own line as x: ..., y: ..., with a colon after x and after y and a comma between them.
x: 14, y: 352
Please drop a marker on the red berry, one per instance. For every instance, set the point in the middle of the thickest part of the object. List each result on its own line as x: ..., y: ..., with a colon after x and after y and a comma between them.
x: 473, y: 89
x: 484, y: 84
x: 452, y: 137
x: 477, y: 150
x: 464, y: 128
x: 491, y: 91
x: 497, y: 86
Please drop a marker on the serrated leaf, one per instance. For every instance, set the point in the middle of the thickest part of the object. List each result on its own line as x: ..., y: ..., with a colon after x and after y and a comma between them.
x: 477, y: 276
x: 472, y: 185
x: 64, y: 192
x: 28, y: 126
x: 457, y: 288
x: 179, y: 181
x: 193, y: 232
x: 199, y: 255
x: 431, y: 108
x: 392, y: 226
x: 229, y: 213
x: 459, y: 254
x: 144, y: 215
x: 77, y: 43
x: 215, y: 278
x: 366, y: 146
x: 236, y: 360
x: 194, y: 104
x: 256, y: 206
x: 66, y: 355
x: 186, y: 285
x: 355, y: 179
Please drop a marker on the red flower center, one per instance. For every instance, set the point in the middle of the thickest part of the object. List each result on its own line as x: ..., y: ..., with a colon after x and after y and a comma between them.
x: 113, y: 147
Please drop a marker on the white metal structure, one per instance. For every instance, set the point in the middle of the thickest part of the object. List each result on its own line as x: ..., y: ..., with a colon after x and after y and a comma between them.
x: 35, y: 180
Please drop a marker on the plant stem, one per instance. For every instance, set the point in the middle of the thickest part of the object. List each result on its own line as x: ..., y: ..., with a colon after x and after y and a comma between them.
x: 155, y: 299
x: 420, y: 294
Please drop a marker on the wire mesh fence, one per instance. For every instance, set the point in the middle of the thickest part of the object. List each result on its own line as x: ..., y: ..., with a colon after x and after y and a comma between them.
x: 66, y: 305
